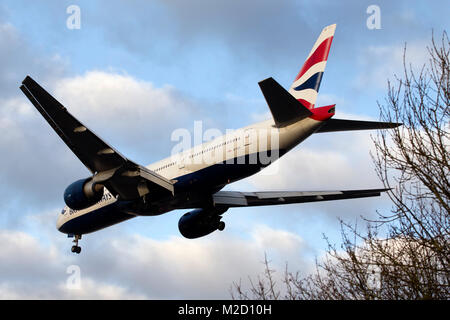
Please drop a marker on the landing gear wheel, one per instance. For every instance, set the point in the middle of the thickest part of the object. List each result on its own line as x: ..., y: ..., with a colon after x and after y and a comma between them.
x: 221, y: 226
x: 76, y: 248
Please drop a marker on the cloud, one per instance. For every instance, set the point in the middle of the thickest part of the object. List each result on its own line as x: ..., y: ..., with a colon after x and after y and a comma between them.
x: 235, y: 26
x: 19, y: 131
x: 17, y: 59
x: 132, y: 111
x: 134, y: 267
x: 256, y: 30
x: 30, y: 270
x: 340, y: 164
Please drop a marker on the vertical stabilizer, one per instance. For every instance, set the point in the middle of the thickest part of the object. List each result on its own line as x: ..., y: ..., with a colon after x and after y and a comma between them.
x: 306, y: 85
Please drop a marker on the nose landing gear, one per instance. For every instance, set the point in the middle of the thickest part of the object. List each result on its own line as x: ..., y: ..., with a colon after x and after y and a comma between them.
x: 76, y: 248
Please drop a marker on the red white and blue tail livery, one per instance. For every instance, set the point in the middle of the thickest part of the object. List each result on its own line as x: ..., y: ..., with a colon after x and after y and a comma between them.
x: 306, y: 85
x: 119, y: 189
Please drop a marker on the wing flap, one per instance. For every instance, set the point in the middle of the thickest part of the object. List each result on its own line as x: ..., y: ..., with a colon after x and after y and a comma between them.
x: 155, y: 178
x: 231, y: 198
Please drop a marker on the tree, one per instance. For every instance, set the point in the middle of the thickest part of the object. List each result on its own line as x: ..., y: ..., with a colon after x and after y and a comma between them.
x: 404, y: 254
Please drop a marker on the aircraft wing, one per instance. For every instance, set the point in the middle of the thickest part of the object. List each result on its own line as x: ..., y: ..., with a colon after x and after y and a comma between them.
x: 120, y: 175
x: 230, y: 199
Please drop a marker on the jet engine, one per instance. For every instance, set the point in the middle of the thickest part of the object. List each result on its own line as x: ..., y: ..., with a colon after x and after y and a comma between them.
x: 200, y: 222
x: 83, y: 193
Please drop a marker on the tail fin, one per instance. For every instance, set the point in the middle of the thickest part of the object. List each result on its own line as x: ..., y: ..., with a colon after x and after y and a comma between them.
x: 306, y: 84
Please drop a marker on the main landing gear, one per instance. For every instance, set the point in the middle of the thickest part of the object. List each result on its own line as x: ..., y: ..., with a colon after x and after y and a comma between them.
x: 76, y: 248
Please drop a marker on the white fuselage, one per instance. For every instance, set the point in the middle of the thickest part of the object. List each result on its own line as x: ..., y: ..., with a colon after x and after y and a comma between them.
x: 256, y: 145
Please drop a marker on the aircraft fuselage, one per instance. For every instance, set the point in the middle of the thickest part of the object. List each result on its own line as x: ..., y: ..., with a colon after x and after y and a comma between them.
x: 199, y: 172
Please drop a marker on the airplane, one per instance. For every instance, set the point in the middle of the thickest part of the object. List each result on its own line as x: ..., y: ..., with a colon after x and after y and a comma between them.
x: 119, y: 189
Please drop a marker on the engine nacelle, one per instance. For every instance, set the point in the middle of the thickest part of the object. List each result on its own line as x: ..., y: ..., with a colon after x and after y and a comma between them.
x: 200, y: 222
x: 83, y: 193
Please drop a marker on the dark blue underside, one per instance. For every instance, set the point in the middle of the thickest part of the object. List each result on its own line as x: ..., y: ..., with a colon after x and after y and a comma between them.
x: 208, y: 180
x: 97, y: 219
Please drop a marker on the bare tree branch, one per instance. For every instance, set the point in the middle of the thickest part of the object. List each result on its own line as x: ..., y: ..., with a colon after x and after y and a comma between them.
x: 403, y: 254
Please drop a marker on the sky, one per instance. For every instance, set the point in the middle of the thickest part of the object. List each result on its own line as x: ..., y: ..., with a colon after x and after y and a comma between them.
x: 135, y: 71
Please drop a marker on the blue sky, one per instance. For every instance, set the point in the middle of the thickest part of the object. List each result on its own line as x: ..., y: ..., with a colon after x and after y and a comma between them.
x: 137, y: 70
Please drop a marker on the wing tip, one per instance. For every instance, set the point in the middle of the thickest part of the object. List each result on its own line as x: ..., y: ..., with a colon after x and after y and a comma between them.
x: 330, y: 27
x: 27, y: 79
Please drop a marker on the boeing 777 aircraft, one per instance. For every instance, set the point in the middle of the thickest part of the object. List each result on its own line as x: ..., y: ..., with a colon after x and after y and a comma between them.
x: 119, y: 189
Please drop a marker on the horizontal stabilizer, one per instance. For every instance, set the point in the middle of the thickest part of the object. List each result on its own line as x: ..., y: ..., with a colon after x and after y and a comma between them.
x: 284, y: 107
x: 350, y: 125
